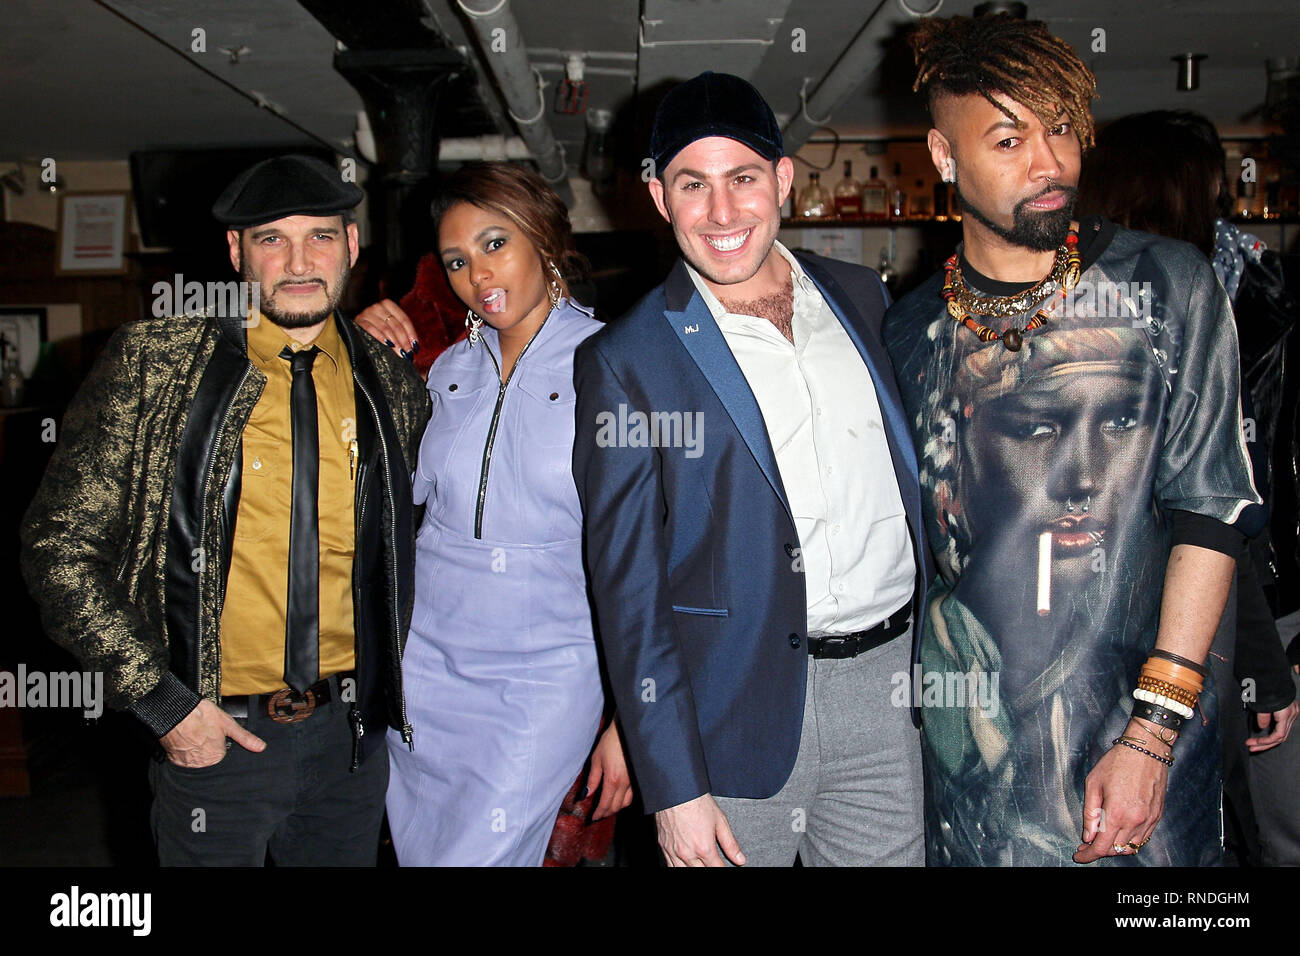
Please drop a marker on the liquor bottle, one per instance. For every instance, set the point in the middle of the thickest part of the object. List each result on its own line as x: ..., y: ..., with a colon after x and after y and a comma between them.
x: 11, y: 376
x: 875, y: 202
x: 897, y: 195
x: 813, y: 202
x: 920, y: 201
x: 848, y: 195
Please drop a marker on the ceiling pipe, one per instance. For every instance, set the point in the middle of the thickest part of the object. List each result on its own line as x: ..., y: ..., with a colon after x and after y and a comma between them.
x: 486, y: 149
x: 862, y: 56
x: 505, y: 56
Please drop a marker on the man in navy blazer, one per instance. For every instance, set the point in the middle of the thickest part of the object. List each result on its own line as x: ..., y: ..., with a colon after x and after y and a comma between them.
x: 752, y: 520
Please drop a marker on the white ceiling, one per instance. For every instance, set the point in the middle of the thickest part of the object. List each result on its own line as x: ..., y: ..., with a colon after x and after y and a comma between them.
x: 97, y: 80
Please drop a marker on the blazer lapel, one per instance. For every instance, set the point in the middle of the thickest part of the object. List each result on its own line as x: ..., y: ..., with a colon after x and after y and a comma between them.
x: 695, y: 327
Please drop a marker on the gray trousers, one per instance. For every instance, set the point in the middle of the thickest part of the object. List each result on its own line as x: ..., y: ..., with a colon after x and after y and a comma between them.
x: 854, y: 797
x: 1275, y: 785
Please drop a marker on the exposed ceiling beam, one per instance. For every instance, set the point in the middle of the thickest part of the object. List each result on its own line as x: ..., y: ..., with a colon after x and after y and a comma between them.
x: 680, y: 38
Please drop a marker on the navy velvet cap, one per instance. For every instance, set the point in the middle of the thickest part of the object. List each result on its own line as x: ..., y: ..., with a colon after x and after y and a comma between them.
x: 285, y: 186
x: 713, y: 104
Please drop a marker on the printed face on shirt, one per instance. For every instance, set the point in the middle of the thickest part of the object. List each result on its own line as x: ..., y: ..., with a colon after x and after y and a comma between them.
x: 301, y: 264
x: 493, y: 268
x: 723, y: 201
x: 1016, y: 180
x: 1044, y: 453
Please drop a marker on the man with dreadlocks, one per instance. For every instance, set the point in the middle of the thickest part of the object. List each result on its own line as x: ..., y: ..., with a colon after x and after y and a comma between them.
x: 1073, y: 390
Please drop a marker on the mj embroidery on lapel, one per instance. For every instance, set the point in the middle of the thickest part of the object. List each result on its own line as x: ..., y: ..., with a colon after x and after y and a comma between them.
x: 688, y: 329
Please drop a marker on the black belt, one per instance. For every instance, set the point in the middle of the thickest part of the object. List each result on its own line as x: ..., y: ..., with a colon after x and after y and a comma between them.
x: 284, y: 706
x: 851, y: 645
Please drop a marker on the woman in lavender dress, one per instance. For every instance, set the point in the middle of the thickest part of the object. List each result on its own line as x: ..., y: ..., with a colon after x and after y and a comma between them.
x: 502, y: 683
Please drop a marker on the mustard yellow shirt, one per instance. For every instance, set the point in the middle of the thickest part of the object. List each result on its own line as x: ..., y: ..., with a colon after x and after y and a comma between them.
x: 257, y: 589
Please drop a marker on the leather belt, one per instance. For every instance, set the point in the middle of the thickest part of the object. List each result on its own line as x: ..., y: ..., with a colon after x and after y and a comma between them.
x: 839, y: 646
x: 284, y: 706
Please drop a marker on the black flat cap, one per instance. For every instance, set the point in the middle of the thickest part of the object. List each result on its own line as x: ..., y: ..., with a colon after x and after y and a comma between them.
x: 285, y: 186
x: 713, y: 104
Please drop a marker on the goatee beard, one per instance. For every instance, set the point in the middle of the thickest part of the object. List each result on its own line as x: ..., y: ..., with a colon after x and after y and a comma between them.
x: 302, y: 320
x: 1040, y: 231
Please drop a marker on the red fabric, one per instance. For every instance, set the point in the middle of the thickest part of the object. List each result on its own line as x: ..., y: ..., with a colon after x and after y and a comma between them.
x: 576, y: 837
x: 434, y: 310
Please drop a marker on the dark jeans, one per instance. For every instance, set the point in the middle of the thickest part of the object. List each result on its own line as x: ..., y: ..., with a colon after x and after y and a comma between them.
x: 296, y: 798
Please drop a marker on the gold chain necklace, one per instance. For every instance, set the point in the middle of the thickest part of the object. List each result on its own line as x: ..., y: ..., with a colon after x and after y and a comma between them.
x: 1064, y: 276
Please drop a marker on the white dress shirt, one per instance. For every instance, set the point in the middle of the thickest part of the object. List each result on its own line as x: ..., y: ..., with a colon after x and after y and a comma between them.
x: 823, y: 419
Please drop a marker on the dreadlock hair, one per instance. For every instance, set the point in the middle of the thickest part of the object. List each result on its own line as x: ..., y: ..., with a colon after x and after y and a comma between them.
x: 1020, y: 59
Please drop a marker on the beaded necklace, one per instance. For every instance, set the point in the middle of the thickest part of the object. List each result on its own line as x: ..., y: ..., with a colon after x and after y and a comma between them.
x: 1066, y: 269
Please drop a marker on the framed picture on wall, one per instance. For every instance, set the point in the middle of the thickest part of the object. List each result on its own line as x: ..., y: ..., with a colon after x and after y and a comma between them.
x: 23, y: 329
x: 93, y: 233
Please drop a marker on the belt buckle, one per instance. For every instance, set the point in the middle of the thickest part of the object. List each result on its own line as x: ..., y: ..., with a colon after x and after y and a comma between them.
x: 287, y: 706
x: 839, y: 647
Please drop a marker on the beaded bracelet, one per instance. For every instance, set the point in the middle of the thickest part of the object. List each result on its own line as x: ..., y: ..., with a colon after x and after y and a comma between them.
x: 1181, y: 661
x: 1172, y: 691
x: 1188, y: 680
x: 1145, y: 710
x: 1182, y: 710
x: 1167, y: 761
x: 1141, y: 743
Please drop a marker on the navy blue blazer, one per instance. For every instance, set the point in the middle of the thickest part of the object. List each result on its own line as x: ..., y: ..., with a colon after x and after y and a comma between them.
x: 692, y: 554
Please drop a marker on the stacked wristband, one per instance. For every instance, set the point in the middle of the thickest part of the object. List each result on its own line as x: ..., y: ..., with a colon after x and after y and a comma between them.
x: 1171, y: 684
x: 1166, y: 695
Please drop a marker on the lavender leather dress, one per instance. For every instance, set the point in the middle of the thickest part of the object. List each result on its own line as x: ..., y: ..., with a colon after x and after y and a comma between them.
x: 502, y: 684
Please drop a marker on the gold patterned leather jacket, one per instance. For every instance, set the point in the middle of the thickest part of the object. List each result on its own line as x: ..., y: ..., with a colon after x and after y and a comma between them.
x: 126, y: 545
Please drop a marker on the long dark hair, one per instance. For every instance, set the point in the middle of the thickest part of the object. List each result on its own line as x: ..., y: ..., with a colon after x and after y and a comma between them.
x: 528, y: 201
x: 1160, y: 172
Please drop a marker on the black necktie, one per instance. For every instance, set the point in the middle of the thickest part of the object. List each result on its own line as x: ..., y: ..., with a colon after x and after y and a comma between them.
x: 302, y: 623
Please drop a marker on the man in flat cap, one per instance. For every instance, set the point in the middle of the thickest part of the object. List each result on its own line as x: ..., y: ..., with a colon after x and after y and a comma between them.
x: 753, y: 590
x: 224, y: 531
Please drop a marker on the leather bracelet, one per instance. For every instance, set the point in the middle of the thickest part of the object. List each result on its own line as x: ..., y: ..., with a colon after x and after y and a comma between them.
x: 1157, y: 715
x: 1182, y: 661
x: 1167, y: 761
